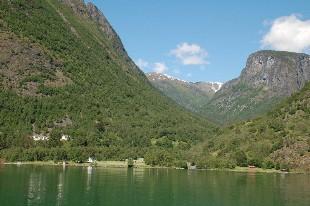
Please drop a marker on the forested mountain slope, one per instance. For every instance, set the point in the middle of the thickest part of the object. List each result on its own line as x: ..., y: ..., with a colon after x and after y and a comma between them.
x: 280, y: 139
x: 64, y: 71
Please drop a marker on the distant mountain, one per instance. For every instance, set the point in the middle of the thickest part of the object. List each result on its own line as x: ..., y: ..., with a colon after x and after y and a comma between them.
x: 64, y: 72
x: 188, y: 94
x: 269, y: 77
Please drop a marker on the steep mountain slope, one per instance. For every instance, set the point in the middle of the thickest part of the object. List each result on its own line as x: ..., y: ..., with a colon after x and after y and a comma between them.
x: 269, y: 76
x: 188, y: 94
x: 280, y: 139
x: 64, y: 71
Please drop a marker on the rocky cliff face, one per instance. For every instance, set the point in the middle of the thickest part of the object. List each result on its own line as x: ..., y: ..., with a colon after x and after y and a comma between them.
x: 77, y: 5
x: 281, y: 72
x: 268, y: 77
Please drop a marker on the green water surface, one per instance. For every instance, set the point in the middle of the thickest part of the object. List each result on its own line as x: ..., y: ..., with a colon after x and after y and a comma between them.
x: 82, y: 186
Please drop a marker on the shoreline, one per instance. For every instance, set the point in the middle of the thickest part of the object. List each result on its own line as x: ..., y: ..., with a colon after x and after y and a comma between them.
x: 123, y: 164
x: 100, y: 164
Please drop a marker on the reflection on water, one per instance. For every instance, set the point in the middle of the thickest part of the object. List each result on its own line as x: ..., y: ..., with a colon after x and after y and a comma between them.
x: 89, y: 172
x: 138, y: 175
x: 36, y: 188
x: 78, y: 186
x: 60, y: 187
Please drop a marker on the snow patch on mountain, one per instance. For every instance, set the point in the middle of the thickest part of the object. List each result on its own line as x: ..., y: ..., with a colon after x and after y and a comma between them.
x: 215, y: 86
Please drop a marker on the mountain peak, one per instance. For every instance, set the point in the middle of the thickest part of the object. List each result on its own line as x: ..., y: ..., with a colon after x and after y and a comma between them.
x: 214, y: 86
x: 155, y: 76
x: 279, y: 71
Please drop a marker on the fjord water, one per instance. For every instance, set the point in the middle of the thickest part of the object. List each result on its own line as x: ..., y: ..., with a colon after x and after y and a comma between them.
x: 80, y: 186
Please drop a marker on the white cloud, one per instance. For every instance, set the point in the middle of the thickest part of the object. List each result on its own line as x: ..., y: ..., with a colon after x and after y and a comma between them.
x: 190, y: 54
x: 160, y: 67
x: 142, y: 64
x: 288, y: 33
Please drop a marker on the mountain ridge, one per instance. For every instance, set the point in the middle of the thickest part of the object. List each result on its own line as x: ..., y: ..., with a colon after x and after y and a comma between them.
x: 154, y: 76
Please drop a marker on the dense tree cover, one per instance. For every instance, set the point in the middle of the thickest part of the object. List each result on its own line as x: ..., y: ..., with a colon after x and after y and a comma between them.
x: 108, y: 108
x: 280, y: 139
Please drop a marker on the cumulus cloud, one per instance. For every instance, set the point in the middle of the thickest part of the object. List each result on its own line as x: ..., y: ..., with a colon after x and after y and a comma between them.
x: 288, y: 33
x: 190, y: 54
x: 160, y: 67
x: 142, y: 64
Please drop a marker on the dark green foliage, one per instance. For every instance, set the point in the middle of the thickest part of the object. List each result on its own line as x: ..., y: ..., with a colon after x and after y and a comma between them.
x: 54, y: 139
x: 268, y: 164
x: 241, y: 158
x: 160, y: 157
x: 255, y: 162
x: 164, y: 143
x: 180, y: 164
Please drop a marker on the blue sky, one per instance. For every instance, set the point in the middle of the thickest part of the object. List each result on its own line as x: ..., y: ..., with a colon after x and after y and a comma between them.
x: 204, y: 40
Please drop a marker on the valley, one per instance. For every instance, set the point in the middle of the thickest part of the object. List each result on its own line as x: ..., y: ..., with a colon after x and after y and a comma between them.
x: 70, y: 91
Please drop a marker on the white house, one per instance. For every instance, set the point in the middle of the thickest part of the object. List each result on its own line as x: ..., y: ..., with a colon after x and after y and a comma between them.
x: 64, y: 138
x: 90, y: 160
x: 40, y: 137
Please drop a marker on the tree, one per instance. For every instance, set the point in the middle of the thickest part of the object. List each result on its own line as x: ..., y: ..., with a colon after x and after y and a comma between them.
x: 3, y: 141
x: 54, y: 139
x: 241, y: 158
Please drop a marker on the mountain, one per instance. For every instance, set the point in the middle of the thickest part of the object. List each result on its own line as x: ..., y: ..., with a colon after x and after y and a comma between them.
x: 188, y: 94
x: 280, y: 139
x: 268, y: 78
x: 64, y: 72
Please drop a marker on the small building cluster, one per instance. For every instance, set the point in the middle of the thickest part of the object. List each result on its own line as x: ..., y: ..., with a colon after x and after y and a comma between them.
x: 41, y: 137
